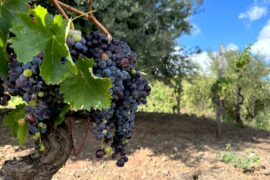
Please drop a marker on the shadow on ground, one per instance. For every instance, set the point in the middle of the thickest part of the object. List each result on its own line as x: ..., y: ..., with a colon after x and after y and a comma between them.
x: 176, y: 136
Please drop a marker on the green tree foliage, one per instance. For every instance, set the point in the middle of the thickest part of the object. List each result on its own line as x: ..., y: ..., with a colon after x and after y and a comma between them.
x: 197, y: 96
x: 249, y: 73
x: 160, y: 100
x: 198, y: 92
x: 181, y: 68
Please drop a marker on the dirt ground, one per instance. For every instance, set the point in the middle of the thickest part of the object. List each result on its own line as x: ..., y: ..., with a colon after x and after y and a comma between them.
x: 164, y: 147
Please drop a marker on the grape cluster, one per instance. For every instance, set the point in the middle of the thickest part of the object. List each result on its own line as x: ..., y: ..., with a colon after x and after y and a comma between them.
x: 4, y: 98
x: 113, y: 126
x: 43, y: 101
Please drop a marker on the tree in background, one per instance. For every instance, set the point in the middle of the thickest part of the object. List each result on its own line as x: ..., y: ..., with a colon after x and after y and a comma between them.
x: 247, y: 93
x: 218, y: 89
x: 197, y: 96
x: 181, y: 68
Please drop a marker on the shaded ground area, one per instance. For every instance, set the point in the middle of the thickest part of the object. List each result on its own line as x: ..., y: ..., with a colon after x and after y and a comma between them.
x: 164, y: 146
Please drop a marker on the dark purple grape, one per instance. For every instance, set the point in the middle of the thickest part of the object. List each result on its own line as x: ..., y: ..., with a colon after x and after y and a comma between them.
x: 125, y: 62
x: 100, y: 153
x: 125, y: 158
x: 33, y: 130
x: 107, y: 72
x: 120, y: 162
x: 37, y: 61
x: 70, y: 41
x: 78, y: 45
x: 102, y: 64
x: 30, y: 118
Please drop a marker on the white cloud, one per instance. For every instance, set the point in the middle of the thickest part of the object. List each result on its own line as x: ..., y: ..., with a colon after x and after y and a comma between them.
x: 262, y: 45
x: 203, y: 60
x: 232, y: 47
x: 196, y: 30
x: 254, y: 13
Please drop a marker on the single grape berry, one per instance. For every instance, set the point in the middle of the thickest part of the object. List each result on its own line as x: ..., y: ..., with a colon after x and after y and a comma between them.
x: 6, y: 97
x: 77, y: 36
x: 71, y: 33
x: 28, y: 73
x: 42, y: 147
x: 120, y: 162
x: 108, y: 150
x: 21, y: 122
x: 100, y: 153
x: 30, y: 118
x: 104, y: 56
x: 78, y: 45
x: 104, y: 132
x: 41, y: 94
x: 43, y: 131
x: 133, y: 71
x: 125, y: 158
x: 36, y: 136
x: 42, y: 125
x: 125, y: 62
x: 33, y: 130
x: 102, y: 64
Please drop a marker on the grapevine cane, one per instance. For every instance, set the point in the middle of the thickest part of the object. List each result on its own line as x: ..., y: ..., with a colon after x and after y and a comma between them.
x: 88, y: 15
x: 60, y: 9
x: 90, y: 5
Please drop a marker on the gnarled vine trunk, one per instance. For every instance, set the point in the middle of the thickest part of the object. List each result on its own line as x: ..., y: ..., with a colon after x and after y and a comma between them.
x: 41, y: 166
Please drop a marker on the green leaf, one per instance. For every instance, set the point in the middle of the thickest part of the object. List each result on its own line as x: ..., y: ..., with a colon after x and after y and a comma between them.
x: 22, y: 132
x: 62, y: 115
x: 11, y: 121
x: 44, y: 33
x: 84, y: 90
x: 8, y: 16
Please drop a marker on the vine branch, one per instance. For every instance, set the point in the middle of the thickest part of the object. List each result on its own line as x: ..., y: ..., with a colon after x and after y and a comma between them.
x: 60, y: 9
x: 89, y: 15
x: 90, y: 6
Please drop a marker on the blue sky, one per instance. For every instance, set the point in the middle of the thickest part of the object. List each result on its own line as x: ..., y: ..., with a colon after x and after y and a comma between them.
x: 235, y: 23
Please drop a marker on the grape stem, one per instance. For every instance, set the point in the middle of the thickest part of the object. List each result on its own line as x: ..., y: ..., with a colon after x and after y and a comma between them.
x: 89, y: 15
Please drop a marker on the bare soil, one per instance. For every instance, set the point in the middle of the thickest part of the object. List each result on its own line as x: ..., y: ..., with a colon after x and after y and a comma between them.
x: 164, y: 146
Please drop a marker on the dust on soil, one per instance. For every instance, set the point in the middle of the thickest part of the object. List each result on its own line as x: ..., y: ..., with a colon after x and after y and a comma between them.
x: 164, y: 146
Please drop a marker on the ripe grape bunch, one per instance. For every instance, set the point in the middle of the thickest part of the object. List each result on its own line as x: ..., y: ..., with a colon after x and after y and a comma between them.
x: 43, y: 101
x: 113, y: 127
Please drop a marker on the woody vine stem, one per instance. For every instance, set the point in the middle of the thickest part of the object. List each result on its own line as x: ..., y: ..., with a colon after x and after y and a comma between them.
x: 89, y: 15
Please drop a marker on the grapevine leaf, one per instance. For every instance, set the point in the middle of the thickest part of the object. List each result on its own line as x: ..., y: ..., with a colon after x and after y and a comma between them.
x: 41, y: 32
x: 11, y: 121
x: 84, y: 90
x: 62, y: 116
x: 22, y: 132
x: 8, y: 16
